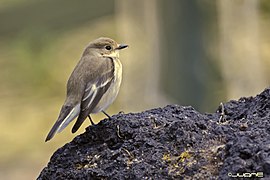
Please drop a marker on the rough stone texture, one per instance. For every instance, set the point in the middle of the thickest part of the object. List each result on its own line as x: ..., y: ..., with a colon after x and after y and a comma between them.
x: 173, y: 142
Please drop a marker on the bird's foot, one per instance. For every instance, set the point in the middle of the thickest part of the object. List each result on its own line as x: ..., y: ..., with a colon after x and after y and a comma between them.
x: 107, y: 115
x: 92, y: 122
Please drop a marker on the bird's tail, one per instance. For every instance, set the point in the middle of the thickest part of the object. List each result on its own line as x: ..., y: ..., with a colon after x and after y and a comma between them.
x: 67, y: 114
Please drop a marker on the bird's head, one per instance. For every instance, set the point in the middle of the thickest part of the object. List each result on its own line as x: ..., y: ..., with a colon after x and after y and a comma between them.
x: 105, y: 47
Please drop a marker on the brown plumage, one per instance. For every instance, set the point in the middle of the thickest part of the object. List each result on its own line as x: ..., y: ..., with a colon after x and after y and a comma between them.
x: 93, y: 84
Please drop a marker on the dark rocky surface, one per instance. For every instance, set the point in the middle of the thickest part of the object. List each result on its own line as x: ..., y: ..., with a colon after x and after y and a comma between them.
x: 173, y: 142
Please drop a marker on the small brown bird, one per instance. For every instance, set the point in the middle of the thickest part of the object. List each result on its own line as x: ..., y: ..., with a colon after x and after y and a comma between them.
x: 93, y: 84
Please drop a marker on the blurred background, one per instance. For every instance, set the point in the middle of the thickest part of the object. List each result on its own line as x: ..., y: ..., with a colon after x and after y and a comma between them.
x: 192, y: 52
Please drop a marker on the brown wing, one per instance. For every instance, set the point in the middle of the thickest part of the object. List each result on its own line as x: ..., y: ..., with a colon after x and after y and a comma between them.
x: 93, y: 93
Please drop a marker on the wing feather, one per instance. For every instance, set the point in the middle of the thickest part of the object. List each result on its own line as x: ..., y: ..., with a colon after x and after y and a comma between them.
x: 93, y: 93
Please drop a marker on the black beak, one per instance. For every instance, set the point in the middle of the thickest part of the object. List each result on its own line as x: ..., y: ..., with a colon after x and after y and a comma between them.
x: 122, y: 46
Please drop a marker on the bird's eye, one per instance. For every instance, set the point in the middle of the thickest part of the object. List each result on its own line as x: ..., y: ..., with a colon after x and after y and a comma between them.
x: 108, y: 47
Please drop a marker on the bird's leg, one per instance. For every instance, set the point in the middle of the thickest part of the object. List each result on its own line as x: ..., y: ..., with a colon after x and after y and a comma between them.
x: 107, y: 115
x: 91, y: 120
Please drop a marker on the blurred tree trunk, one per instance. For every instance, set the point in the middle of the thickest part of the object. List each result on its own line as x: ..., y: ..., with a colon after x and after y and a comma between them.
x: 138, y: 24
x: 190, y: 73
x: 239, y: 39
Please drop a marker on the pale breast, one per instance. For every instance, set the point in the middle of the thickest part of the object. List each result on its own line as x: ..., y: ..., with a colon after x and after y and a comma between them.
x: 110, y: 95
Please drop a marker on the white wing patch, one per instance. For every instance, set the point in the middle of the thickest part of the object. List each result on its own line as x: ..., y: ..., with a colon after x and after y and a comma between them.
x: 92, y: 98
x: 91, y: 92
x: 91, y: 89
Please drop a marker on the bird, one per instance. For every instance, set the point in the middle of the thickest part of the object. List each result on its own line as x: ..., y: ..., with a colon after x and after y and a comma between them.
x: 92, y: 86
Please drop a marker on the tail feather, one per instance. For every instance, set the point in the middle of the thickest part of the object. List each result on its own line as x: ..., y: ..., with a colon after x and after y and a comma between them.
x: 67, y: 114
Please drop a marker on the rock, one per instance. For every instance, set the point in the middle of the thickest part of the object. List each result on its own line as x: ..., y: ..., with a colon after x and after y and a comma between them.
x: 173, y: 142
